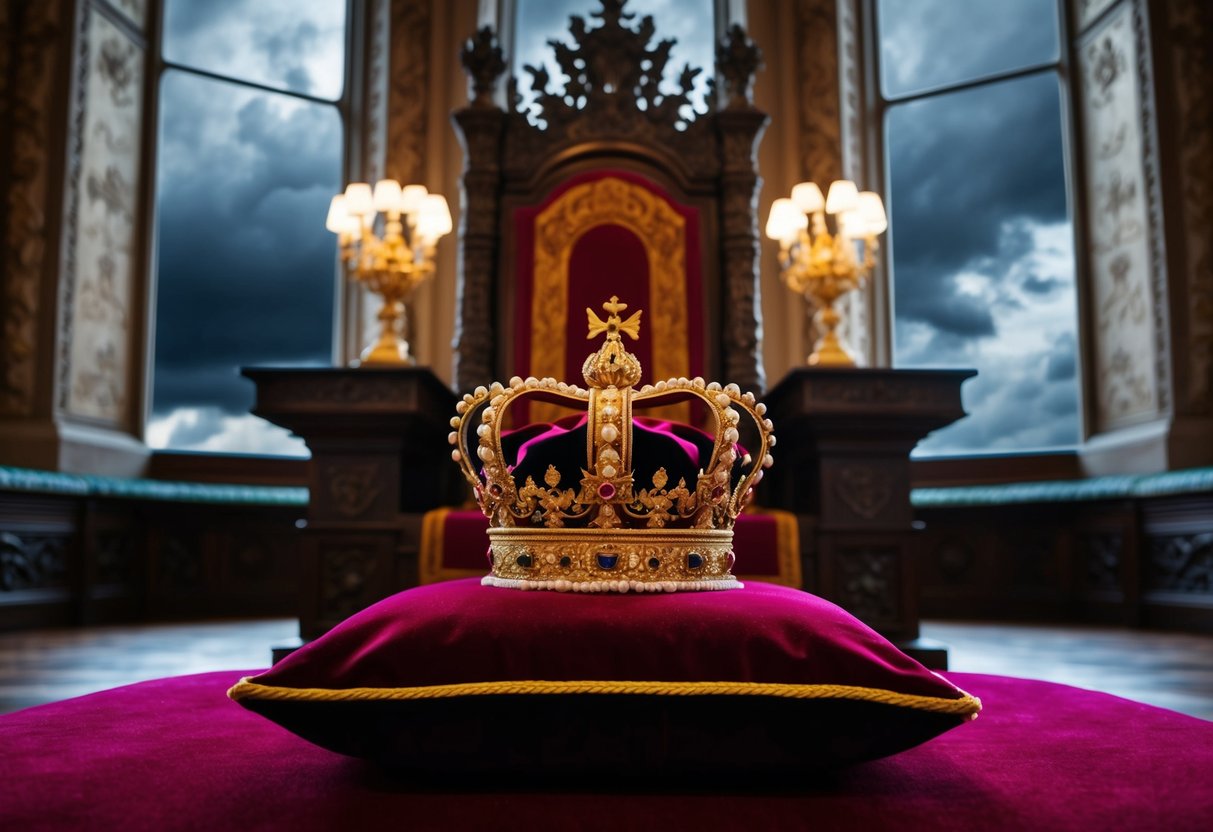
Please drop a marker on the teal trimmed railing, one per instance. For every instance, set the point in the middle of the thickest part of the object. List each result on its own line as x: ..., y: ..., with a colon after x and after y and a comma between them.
x: 1169, y: 483
x: 1189, y: 481
x: 86, y: 485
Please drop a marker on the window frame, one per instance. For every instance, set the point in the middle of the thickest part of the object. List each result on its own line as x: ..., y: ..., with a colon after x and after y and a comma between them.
x: 202, y: 465
x: 989, y: 466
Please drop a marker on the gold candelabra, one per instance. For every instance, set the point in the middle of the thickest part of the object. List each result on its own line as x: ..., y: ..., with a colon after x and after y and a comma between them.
x: 821, y: 265
x: 392, y: 261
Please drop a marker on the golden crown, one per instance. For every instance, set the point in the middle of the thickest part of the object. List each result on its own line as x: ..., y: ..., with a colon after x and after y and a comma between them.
x: 625, y: 523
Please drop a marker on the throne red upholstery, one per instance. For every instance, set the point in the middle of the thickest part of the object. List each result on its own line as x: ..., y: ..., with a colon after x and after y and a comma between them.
x: 607, y: 232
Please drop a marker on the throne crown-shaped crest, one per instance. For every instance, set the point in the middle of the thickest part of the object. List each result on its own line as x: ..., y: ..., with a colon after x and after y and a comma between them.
x: 610, y: 501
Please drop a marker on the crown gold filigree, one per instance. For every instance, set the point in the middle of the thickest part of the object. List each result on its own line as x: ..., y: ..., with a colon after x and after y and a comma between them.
x: 621, y: 523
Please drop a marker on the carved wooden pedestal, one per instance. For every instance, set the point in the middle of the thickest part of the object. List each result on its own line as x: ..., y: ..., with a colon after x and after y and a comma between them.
x: 379, y: 461
x: 843, y: 466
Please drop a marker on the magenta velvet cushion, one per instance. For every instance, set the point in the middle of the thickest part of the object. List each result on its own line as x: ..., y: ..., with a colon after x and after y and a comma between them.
x: 461, y: 679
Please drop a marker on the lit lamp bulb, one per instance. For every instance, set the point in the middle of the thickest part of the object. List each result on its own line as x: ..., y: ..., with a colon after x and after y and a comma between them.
x: 785, y: 222
x: 394, y: 263
x: 821, y: 265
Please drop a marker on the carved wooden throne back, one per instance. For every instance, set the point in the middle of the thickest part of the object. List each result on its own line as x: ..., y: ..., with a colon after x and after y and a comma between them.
x: 610, y: 187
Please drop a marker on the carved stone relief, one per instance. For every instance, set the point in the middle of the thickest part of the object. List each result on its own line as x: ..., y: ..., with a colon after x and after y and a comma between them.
x: 1190, y: 47
x: 180, y: 566
x: 869, y: 583
x: 32, y: 561
x: 1103, y: 554
x: 1181, y: 563
x: 100, y: 269
x: 1122, y: 261
x: 864, y: 489
x: 345, y: 574
x: 354, y: 488
x: 35, y: 34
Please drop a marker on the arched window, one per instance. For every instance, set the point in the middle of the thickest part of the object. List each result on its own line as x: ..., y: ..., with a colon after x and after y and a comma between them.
x: 252, y: 110
x: 974, y: 118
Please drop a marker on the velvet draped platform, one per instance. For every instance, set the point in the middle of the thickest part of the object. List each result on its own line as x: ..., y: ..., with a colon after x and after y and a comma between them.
x: 178, y: 754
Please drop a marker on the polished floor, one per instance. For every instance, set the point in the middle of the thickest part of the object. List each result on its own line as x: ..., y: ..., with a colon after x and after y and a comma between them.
x: 1166, y: 669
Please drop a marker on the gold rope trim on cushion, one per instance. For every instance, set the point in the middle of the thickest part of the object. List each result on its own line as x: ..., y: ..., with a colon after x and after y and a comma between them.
x: 966, y: 705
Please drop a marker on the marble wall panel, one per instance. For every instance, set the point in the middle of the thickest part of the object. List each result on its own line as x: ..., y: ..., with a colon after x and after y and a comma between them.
x: 1086, y: 11
x: 134, y: 10
x: 1119, y: 227
x: 101, y: 264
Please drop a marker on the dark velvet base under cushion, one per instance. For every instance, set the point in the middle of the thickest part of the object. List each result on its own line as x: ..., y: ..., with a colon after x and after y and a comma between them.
x: 528, y: 742
x: 809, y: 685
x: 176, y: 754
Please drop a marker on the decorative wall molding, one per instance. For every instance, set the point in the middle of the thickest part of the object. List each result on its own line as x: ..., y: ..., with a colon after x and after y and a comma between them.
x: 1188, y: 41
x: 33, y: 44
x: 408, y: 90
x: 1150, y: 162
x: 32, y: 561
x: 818, y: 68
x: 1123, y: 225
x: 103, y: 222
x: 829, y: 61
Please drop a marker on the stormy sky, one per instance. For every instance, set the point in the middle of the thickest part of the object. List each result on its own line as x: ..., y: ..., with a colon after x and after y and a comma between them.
x: 980, y: 236
x: 245, y: 268
x: 980, y: 239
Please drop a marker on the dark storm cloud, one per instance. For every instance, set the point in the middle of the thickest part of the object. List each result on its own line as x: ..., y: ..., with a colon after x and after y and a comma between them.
x: 928, y: 43
x: 245, y: 270
x: 980, y: 242
x: 1063, y: 359
x: 281, y: 43
x: 963, y: 165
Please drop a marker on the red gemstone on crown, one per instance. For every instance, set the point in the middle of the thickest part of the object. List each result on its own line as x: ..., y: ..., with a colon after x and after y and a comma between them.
x: 718, y: 492
x: 606, y: 491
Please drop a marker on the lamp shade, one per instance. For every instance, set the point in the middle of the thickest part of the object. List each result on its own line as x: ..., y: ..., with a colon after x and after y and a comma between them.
x: 411, y: 198
x: 844, y: 196
x: 871, y: 213
x: 785, y: 220
x: 387, y: 196
x: 338, y: 217
x: 358, y: 199
x: 808, y: 198
x: 433, y: 217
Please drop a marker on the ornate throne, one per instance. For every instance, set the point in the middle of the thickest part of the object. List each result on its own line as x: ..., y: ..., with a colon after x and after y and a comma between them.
x: 613, y: 185
x: 618, y: 183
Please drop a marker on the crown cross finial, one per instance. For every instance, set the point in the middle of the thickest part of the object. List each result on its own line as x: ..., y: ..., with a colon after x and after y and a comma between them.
x: 614, y: 324
x: 612, y: 365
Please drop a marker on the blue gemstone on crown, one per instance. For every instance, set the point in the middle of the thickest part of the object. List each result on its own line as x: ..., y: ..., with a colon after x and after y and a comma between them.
x: 524, y: 561
x: 654, y: 563
x: 566, y: 561
x: 694, y: 560
x: 607, y: 561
